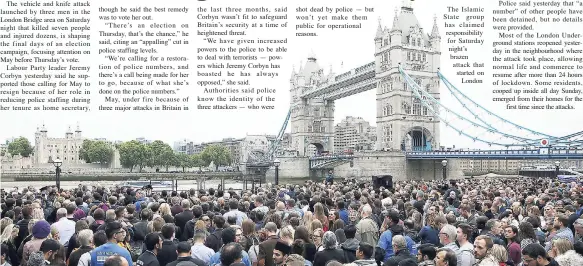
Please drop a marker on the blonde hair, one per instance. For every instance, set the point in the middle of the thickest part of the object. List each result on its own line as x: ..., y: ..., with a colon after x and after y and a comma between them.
x: 7, y: 233
x: 5, y: 222
x: 287, y: 231
x: 561, y: 246
x: 499, y: 253
x: 164, y: 209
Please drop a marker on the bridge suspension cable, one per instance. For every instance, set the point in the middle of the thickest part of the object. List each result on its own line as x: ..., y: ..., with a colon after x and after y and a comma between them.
x: 520, y: 141
x: 463, y: 99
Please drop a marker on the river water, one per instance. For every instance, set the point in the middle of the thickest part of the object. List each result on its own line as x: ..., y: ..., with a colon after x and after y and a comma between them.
x: 182, y: 184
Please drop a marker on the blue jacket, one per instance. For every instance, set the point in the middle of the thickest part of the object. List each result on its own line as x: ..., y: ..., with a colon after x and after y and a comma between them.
x: 101, y: 253
x: 386, y: 243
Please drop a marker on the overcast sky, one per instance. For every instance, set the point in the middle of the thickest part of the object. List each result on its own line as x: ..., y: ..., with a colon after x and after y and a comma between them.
x: 347, y: 48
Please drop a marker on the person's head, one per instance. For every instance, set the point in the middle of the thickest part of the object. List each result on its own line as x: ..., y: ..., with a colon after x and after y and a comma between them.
x: 350, y: 231
x: 493, y: 226
x: 115, y: 232
x: 280, y: 253
x: 445, y: 257
x: 426, y: 252
x: 85, y: 237
x: 364, y: 251
x: 561, y: 221
x: 464, y: 231
x: 482, y: 245
x: 229, y: 235
x: 49, y: 248
x: 153, y: 242
x: 116, y: 260
x: 399, y: 243
x: 183, y: 249
x: 448, y: 234
x: 199, y: 237
x: 329, y: 240
x: 499, y: 253
x: 231, y: 253
x: 560, y: 246
x: 168, y: 230
x: 510, y: 232
x: 534, y: 255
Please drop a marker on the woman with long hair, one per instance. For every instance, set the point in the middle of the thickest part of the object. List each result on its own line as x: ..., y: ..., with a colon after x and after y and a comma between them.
x: 307, y: 220
x: 564, y: 254
x: 309, y: 248
x: 9, y: 233
x: 429, y: 234
x: 319, y: 215
x: 526, y: 235
x: 513, y: 244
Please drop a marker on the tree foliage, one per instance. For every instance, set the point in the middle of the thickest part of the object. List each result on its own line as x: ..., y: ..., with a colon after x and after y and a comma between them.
x: 20, y: 146
x: 217, y: 154
x: 159, y: 154
x: 96, y: 151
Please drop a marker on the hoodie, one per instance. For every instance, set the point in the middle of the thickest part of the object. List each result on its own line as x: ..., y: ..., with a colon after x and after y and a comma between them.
x: 349, y: 247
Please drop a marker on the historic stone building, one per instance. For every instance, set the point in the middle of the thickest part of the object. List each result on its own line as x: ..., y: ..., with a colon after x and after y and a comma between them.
x: 66, y: 149
x: 403, y: 121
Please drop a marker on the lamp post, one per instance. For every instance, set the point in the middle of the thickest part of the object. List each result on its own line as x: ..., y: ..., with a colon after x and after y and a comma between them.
x: 57, y: 163
x: 557, y: 164
x: 444, y: 164
x: 276, y: 163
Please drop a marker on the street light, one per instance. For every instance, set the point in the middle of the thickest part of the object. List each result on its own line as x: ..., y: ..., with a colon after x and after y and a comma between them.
x: 444, y: 164
x: 557, y: 164
x: 57, y: 163
x: 276, y: 163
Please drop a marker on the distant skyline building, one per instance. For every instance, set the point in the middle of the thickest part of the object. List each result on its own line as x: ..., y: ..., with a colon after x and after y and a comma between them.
x: 354, y: 133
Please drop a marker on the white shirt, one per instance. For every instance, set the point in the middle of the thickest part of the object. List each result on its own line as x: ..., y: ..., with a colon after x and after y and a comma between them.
x: 66, y: 230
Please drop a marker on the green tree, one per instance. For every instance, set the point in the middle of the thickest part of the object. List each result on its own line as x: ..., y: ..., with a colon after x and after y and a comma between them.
x: 183, y: 161
x: 85, y: 148
x: 160, y: 154
x: 168, y: 157
x: 218, y: 154
x: 96, y: 151
x: 100, y: 152
x: 197, y: 161
x: 20, y: 146
x: 132, y: 154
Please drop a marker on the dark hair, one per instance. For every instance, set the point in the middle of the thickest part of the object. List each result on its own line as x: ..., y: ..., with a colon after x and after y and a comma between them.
x: 350, y: 231
x: 99, y: 238
x: 366, y: 249
x: 228, y: 235
x: 450, y: 257
x: 151, y: 241
x: 115, y: 260
x: 230, y: 253
x: 427, y: 250
x: 219, y: 221
x: 112, y: 228
x: 466, y: 230
x: 534, y: 250
x: 168, y: 230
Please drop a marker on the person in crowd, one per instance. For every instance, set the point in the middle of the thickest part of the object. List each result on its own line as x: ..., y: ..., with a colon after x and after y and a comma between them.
x: 185, y: 257
x: 149, y: 257
x: 281, y: 252
x: 115, y: 233
x: 426, y: 255
x: 445, y: 257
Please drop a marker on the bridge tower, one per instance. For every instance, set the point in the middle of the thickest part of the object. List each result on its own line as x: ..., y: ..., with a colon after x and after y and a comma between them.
x: 403, y: 122
x: 312, y: 120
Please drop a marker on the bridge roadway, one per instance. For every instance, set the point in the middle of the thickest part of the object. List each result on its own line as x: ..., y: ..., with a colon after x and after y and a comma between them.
x: 355, y: 81
x: 542, y: 154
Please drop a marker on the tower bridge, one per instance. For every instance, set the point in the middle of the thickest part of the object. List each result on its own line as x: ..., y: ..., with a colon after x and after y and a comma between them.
x: 406, y: 76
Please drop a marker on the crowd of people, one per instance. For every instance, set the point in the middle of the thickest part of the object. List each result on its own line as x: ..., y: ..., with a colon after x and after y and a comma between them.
x: 485, y: 222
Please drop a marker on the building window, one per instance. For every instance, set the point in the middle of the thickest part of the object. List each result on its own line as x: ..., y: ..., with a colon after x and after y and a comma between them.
x: 424, y: 57
x: 409, y: 56
x: 386, y: 41
x: 424, y: 110
x: 405, y: 86
x: 390, y: 132
x: 416, y: 107
x: 406, y: 108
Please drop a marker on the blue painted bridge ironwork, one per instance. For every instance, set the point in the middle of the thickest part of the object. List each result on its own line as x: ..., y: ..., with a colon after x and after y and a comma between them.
x: 499, y: 154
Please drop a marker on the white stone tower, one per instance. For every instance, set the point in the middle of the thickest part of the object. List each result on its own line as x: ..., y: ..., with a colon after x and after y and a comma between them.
x: 403, y: 122
x: 312, y: 120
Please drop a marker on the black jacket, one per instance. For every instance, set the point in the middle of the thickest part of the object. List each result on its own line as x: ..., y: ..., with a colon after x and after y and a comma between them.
x: 147, y: 259
x: 215, y: 240
x: 76, y: 255
x: 323, y: 257
x: 182, y: 218
x: 190, y: 261
x: 401, y: 255
x: 167, y: 253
